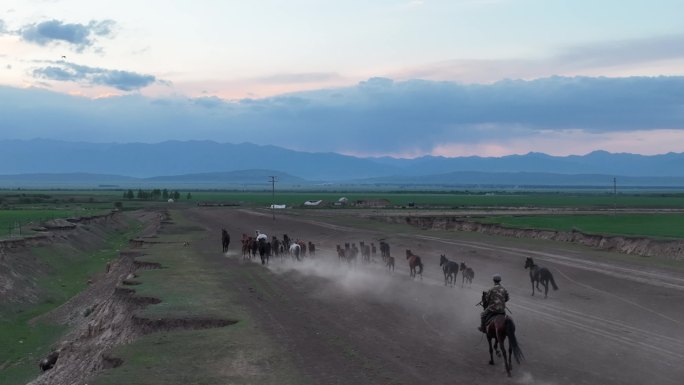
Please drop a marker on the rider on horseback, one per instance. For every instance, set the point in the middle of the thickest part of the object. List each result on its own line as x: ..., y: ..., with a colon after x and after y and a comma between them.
x: 496, y: 297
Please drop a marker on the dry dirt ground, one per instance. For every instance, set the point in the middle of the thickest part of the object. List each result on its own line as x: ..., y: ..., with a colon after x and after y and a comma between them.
x: 611, y: 322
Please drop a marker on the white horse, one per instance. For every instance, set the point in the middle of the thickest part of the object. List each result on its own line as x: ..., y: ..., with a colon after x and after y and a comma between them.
x: 295, y: 249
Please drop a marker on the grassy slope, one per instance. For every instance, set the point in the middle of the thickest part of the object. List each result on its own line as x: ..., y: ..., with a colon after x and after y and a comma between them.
x: 23, y: 344
x: 193, y: 284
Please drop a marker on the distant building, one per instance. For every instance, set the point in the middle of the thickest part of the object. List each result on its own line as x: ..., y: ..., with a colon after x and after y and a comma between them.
x: 313, y: 203
x: 278, y: 206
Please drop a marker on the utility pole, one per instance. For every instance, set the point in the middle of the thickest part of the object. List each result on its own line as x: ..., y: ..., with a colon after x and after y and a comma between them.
x: 273, y: 180
x: 614, y: 196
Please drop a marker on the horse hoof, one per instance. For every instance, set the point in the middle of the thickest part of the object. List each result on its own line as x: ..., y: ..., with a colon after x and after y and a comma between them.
x: 491, y: 362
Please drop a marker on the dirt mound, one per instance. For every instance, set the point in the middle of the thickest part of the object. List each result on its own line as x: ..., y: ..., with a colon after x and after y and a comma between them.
x: 629, y: 245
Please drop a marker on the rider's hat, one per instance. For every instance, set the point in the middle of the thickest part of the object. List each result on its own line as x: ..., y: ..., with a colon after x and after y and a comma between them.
x: 496, y: 278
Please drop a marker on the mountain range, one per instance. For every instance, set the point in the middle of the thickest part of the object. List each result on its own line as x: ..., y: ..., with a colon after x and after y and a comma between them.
x: 211, y: 163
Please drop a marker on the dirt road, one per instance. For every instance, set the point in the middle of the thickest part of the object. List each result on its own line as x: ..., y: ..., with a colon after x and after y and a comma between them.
x: 610, y: 322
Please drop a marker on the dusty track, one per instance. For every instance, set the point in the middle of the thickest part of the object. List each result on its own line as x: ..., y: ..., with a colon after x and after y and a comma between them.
x: 609, y: 323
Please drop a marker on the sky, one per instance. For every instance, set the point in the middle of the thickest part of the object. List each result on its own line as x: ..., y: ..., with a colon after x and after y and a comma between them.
x: 402, y: 78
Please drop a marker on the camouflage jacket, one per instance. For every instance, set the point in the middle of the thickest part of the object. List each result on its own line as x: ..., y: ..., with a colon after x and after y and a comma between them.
x: 496, y: 299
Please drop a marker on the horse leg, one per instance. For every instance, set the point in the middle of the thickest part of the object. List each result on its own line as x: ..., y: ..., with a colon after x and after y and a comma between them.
x: 491, y: 351
x: 546, y: 288
x: 532, y: 286
x: 505, y: 358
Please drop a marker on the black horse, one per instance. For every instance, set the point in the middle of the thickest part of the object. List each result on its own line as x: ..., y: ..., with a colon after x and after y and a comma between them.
x: 225, y: 239
x: 450, y: 269
x: 498, y: 328
x: 467, y: 274
x: 264, y: 251
x: 540, y: 275
x: 384, y: 250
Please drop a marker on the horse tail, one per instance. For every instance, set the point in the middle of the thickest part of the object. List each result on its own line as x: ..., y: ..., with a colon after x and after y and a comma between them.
x: 553, y: 283
x: 512, y: 341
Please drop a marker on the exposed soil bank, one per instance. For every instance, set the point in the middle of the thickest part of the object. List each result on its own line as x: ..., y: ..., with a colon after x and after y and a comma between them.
x: 106, y: 315
x: 648, y: 247
x: 20, y: 266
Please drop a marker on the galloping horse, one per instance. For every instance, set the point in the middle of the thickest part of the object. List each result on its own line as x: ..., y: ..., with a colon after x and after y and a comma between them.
x: 467, y: 274
x: 312, y: 249
x: 390, y: 263
x: 450, y: 269
x: 384, y: 250
x: 225, y: 239
x: 414, y: 261
x: 498, y: 328
x: 275, y: 246
x: 540, y: 274
x: 247, y: 242
x: 295, y: 249
x: 264, y: 250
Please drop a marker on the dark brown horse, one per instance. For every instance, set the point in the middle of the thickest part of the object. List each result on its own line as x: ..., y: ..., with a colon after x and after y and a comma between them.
x: 450, y: 269
x: 467, y: 274
x: 225, y: 240
x: 414, y: 261
x: 498, y: 328
x: 540, y: 275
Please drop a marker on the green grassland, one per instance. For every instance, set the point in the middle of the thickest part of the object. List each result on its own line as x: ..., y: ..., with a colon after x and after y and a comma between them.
x: 24, y: 343
x: 456, y: 199
x: 192, y: 284
x: 651, y: 225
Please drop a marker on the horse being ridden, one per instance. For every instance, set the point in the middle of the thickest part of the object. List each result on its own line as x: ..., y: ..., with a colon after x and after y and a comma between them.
x: 450, y: 269
x: 225, y: 239
x: 499, y: 326
x: 414, y: 261
x: 540, y: 275
x: 467, y: 274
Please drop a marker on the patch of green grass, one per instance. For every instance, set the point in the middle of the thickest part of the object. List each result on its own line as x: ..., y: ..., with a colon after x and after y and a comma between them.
x: 649, y: 225
x: 457, y: 199
x: 192, y: 284
x: 24, y: 343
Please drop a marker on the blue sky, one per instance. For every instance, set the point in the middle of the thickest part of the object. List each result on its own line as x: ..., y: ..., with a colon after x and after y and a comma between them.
x: 496, y: 77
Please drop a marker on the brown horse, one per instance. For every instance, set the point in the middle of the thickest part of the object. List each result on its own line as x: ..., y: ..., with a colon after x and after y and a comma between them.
x: 246, y: 246
x: 498, y: 328
x: 414, y: 261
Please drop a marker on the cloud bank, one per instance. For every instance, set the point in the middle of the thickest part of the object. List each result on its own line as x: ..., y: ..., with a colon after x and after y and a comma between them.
x: 70, y: 72
x: 377, y: 116
x: 77, y: 36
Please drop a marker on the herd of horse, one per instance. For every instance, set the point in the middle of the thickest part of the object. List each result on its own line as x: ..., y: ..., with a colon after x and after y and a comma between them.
x: 498, y: 329
x: 265, y: 248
